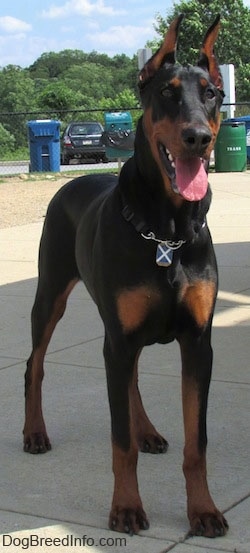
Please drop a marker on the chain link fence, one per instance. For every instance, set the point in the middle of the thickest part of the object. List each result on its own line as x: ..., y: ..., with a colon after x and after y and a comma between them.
x: 94, y: 141
x: 66, y: 140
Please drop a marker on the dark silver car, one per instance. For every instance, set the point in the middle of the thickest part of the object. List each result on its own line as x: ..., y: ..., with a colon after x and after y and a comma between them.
x: 83, y: 140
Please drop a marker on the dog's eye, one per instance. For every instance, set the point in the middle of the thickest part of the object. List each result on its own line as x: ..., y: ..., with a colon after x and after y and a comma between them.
x: 209, y: 94
x: 167, y: 92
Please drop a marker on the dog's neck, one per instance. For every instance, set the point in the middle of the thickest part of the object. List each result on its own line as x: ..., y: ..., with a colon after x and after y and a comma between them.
x: 142, y: 189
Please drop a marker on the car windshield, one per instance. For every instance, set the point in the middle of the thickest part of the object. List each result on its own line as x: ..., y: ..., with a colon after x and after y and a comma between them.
x: 85, y: 128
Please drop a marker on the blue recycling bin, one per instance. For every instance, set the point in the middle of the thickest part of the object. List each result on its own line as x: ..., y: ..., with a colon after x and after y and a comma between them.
x: 44, y: 144
x: 118, y: 136
x: 244, y: 119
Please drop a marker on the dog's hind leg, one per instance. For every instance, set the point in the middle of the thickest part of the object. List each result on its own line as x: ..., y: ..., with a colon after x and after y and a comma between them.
x: 57, y: 277
x: 149, y: 440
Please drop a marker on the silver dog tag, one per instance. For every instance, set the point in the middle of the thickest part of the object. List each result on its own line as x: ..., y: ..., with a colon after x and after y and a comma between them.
x: 164, y: 255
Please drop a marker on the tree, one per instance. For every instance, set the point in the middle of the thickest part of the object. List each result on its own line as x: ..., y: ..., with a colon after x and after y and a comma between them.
x: 7, y: 141
x: 123, y: 100
x: 233, y: 43
x: 16, y: 95
x: 92, y: 80
x: 16, y: 89
x: 125, y: 72
x: 57, y: 97
x: 98, y: 74
x: 243, y: 81
x: 51, y: 65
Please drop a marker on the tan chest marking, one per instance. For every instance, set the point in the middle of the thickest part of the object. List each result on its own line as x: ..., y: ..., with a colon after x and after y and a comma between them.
x: 134, y: 305
x: 199, y: 300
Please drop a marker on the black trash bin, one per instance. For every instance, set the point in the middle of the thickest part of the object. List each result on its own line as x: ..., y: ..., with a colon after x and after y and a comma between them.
x: 44, y: 144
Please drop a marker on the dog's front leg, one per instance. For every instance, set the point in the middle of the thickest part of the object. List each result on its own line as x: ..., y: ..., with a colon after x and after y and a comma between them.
x: 204, y: 517
x: 127, y: 514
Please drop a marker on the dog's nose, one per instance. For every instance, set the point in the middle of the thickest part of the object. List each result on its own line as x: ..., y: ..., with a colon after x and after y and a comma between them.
x: 196, y: 139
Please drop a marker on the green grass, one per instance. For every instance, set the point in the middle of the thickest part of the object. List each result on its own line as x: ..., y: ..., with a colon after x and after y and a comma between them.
x: 55, y: 176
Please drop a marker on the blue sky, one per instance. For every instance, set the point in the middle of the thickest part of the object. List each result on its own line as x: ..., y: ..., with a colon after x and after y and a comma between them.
x: 30, y: 27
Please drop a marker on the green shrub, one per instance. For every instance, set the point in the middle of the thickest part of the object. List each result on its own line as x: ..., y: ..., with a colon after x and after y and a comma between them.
x: 7, y: 142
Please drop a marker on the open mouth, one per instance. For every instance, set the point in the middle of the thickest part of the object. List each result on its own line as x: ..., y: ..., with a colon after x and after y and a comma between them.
x: 188, y: 176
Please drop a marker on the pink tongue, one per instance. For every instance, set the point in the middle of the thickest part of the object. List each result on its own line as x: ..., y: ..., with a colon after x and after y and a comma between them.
x: 191, y: 178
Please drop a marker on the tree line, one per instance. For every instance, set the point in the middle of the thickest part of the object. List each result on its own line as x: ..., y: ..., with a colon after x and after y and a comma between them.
x: 60, y: 82
x: 75, y: 80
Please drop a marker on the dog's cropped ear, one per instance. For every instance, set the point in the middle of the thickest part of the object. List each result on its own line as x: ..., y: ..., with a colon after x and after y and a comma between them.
x: 165, y: 54
x: 207, y: 59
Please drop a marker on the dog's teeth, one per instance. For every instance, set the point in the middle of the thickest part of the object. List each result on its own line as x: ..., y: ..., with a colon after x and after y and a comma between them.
x: 170, y: 157
x: 173, y: 164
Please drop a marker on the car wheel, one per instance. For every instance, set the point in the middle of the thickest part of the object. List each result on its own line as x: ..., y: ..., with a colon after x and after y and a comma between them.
x: 65, y: 161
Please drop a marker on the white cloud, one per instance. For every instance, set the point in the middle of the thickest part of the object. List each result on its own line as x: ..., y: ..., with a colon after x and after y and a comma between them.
x: 128, y: 36
x: 22, y: 50
x: 80, y: 7
x: 67, y: 29
x: 93, y: 25
x: 13, y: 25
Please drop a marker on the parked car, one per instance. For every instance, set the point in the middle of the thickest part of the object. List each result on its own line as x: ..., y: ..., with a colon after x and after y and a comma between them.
x: 82, y: 140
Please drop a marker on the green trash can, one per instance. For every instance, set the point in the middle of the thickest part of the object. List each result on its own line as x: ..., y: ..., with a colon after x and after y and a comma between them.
x: 246, y: 120
x: 230, y: 148
x: 118, y: 136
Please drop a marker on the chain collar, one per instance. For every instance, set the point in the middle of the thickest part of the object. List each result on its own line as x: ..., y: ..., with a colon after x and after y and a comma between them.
x: 141, y: 227
x: 169, y: 243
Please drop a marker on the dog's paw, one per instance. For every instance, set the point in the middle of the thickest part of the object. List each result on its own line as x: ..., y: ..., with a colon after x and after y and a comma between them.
x: 209, y: 525
x: 35, y: 443
x: 153, y: 443
x: 128, y: 520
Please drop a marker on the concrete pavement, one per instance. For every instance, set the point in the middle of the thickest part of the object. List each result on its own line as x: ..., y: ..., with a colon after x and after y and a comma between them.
x: 60, y: 501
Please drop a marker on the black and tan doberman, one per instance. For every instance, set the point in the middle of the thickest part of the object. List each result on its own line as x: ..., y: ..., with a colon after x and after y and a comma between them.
x: 141, y: 245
